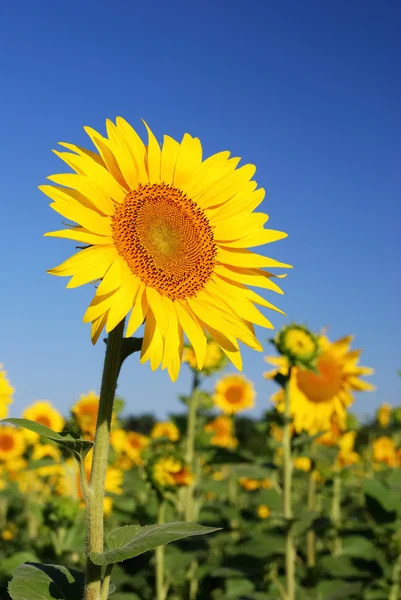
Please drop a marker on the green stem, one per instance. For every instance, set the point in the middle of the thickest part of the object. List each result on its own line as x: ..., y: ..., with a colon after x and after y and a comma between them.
x: 95, y: 492
x: 289, y: 547
x: 160, y: 583
x: 190, y: 445
x: 336, y: 512
x: 106, y: 583
x: 395, y: 592
x: 310, y: 538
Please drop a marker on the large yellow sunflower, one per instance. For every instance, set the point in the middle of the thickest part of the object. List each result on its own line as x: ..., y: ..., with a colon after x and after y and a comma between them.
x: 168, y: 237
x: 318, y: 398
x: 42, y: 412
x: 12, y: 442
x: 6, y: 392
x: 234, y: 393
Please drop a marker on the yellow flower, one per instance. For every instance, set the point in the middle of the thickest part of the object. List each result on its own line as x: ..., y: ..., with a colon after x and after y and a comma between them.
x: 249, y: 484
x: 44, y: 413
x: 85, y: 411
x: 384, y: 414
x: 384, y: 451
x: 118, y: 440
x: 8, y: 534
x: 298, y: 344
x: 168, y: 236
x: 48, y: 451
x: 222, y: 428
x: 107, y: 505
x: 263, y: 511
x: 12, y: 443
x: 317, y: 399
x: 136, y: 444
x: 214, y: 357
x: 303, y: 463
x: 234, y: 393
x: 331, y: 437
x: 166, y: 429
x: 6, y: 392
x: 168, y: 471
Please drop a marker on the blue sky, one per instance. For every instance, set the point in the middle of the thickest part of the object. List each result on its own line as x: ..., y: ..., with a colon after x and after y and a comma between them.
x: 308, y: 91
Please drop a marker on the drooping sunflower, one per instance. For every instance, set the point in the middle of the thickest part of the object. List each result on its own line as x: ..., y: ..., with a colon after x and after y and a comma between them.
x: 168, y: 237
x: 12, y: 442
x: 42, y: 412
x: 166, y: 429
x: 318, y: 398
x: 85, y: 411
x: 234, y: 393
x: 6, y: 393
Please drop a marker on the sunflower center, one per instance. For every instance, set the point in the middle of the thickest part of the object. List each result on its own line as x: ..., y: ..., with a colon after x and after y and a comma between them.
x: 6, y: 442
x: 234, y: 394
x: 43, y: 420
x: 326, y: 384
x: 166, y: 240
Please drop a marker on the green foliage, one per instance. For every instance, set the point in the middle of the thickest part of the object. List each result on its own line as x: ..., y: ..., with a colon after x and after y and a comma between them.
x: 46, y: 582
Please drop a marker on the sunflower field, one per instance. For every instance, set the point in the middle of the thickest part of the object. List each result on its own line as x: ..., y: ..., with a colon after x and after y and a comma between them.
x: 303, y: 503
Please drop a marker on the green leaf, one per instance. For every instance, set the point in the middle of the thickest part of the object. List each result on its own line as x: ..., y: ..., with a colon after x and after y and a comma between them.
x: 132, y: 540
x: 9, y: 564
x: 386, y: 497
x: 336, y: 589
x: 46, y: 582
x: 359, y: 547
x: 69, y: 440
x: 236, y: 588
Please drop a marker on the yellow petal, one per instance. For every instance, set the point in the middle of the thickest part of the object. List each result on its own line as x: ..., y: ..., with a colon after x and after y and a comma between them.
x: 256, y: 238
x: 245, y: 258
x: 122, y: 156
x: 114, y: 276
x: 103, y: 146
x: 154, y: 157
x: 83, y: 152
x: 123, y: 301
x: 85, y: 260
x: 99, y: 306
x: 361, y: 386
x: 226, y: 188
x: 188, y: 161
x: 253, y: 277
x: 157, y: 306
x: 245, y: 201
x: 136, y: 148
x: 152, y: 345
x: 80, y: 234
x: 211, y: 170
x: 97, y: 327
x: 234, y: 228
x: 138, y: 313
x: 193, y: 331
x: 85, y: 190
x: 170, y: 152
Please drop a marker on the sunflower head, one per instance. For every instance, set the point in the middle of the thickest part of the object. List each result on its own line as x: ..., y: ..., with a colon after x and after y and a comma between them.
x: 222, y: 430
x: 169, y: 236
x: 85, y: 412
x: 234, y: 393
x: 384, y: 451
x: 45, y: 413
x: 12, y: 443
x: 168, y: 471
x: 6, y: 393
x: 135, y: 444
x: 303, y: 463
x: 384, y: 415
x: 263, y: 511
x: 166, y: 429
x: 215, y: 359
x: 249, y: 484
x: 299, y: 345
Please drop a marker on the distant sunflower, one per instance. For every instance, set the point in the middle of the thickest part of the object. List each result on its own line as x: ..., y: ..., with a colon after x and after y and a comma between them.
x: 12, y: 443
x: 166, y: 429
x: 168, y: 236
x: 215, y: 358
x: 384, y: 451
x: 135, y: 445
x: 85, y: 411
x: 222, y: 429
x: 384, y: 415
x: 234, y: 393
x: 169, y: 471
x: 6, y: 393
x: 318, y: 398
x: 42, y: 412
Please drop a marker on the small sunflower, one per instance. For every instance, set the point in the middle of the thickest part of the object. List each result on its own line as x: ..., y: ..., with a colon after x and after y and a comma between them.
x: 169, y: 471
x: 222, y: 429
x: 166, y: 429
x: 234, y: 393
x: 249, y: 484
x: 318, y: 398
x: 135, y: 445
x: 42, y: 412
x: 384, y: 415
x: 6, y: 393
x: 214, y: 361
x: 303, y: 463
x: 263, y: 511
x: 12, y: 443
x: 168, y: 236
x: 298, y: 344
x: 384, y: 451
x: 85, y: 411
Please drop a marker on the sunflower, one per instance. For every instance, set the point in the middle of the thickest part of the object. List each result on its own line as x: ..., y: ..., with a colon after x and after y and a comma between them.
x: 85, y: 411
x: 384, y: 451
x: 44, y: 413
x: 384, y: 415
x: 135, y: 445
x: 263, y: 511
x: 48, y: 451
x: 234, y: 393
x: 222, y: 429
x: 12, y: 442
x: 249, y: 484
x: 6, y: 392
x: 303, y: 463
x: 347, y: 455
x: 170, y: 471
x: 298, y: 344
x: 165, y: 429
x: 168, y: 235
x: 214, y: 360
x: 316, y: 399
x: 118, y: 440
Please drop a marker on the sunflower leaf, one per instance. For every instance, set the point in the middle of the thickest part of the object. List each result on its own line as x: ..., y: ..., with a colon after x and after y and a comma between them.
x: 131, y: 540
x: 46, y: 582
x: 66, y: 439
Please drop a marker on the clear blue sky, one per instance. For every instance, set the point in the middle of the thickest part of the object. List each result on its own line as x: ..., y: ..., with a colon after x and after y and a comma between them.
x: 308, y: 91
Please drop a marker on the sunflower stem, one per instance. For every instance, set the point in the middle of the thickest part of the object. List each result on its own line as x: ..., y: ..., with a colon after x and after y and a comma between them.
x: 310, y: 538
x: 159, y: 552
x: 289, y: 546
x: 95, y: 492
x: 190, y: 445
x: 336, y: 512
